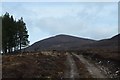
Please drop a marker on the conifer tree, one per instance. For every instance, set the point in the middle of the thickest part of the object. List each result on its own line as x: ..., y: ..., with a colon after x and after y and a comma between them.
x: 14, y: 34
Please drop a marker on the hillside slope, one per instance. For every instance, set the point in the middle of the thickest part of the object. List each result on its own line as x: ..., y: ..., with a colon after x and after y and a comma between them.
x: 107, y: 48
x: 59, y: 42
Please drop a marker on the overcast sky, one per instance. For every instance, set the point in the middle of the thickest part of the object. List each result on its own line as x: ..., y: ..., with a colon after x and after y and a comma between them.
x: 59, y: 0
x: 94, y: 20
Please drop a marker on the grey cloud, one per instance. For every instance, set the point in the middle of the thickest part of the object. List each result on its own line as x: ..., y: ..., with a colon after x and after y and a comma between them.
x: 61, y: 25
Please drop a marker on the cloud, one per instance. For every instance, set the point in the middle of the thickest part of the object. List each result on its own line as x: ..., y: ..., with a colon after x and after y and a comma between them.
x: 0, y: 8
x: 64, y: 25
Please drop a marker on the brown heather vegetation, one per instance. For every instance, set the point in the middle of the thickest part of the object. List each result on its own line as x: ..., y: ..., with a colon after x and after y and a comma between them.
x: 33, y: 65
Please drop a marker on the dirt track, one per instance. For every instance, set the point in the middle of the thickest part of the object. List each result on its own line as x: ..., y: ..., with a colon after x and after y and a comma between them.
x: 93, y: 70
x: 72, y: 71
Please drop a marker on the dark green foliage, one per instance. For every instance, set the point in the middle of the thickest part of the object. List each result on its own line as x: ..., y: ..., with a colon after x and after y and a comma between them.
x: 0, y: 33
x: 22, y: 33
x: 14, y: 34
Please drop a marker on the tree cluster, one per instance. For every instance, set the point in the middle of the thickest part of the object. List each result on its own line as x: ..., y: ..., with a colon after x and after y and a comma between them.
x: 14, y: 34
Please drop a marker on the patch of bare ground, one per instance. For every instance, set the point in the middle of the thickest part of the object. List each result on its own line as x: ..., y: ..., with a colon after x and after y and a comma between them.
x: 33, y: 65
x: 83, y: 72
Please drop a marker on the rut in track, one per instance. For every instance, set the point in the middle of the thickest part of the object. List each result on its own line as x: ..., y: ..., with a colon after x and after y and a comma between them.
x: 71, y: 71
x: 93, y: 70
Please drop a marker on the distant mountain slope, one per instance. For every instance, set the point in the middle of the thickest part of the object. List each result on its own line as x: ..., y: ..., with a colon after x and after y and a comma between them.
x: 107, y: 48
x: 111, y: 42
x: 59, y: 42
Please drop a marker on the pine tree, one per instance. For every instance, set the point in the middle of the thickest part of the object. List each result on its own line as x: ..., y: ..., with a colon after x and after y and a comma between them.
x: 22, y: 33
x: 0, y: 34
x: 5, y: 23
x: 14, y: 34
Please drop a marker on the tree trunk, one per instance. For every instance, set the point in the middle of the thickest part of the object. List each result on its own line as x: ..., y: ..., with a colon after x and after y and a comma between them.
x: 20, y: 45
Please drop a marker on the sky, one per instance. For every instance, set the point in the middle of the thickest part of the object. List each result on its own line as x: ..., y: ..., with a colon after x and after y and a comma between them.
x: 93, y: 20
x: 59, y: 0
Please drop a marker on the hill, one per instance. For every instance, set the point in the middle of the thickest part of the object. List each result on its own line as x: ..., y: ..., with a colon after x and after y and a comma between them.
x: 59, y: 42
x: 106, y: 48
